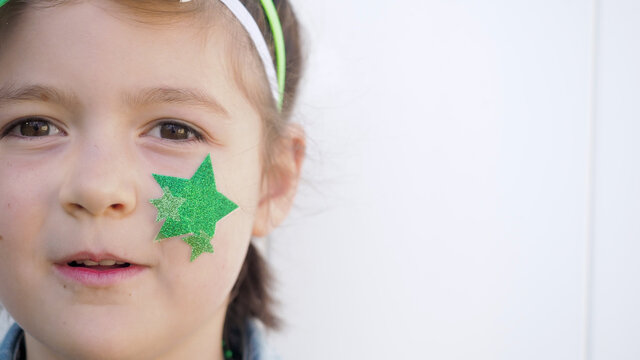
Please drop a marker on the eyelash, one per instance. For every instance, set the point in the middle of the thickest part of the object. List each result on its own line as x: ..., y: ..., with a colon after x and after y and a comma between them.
x: 197, y: 136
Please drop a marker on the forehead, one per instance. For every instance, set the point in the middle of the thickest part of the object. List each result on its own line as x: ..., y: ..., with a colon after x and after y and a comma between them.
x: 92, y: 49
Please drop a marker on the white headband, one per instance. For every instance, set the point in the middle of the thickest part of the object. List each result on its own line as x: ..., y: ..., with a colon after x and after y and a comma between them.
x: 248, y: 22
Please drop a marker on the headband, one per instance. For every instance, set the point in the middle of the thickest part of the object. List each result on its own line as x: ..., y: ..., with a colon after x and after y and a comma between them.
x: 276, y: 81
x: 277, y: 75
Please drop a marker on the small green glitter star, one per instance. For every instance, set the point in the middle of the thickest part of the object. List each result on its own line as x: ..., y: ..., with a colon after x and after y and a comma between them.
x: 168, y: 205
x: 200, y: 243
x: 202, y: 208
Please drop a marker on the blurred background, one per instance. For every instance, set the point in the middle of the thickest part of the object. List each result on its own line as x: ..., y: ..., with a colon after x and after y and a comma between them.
x: 473, y: 186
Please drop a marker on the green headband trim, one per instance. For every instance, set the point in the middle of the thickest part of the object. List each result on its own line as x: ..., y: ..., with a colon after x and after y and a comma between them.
x: 278, y: 39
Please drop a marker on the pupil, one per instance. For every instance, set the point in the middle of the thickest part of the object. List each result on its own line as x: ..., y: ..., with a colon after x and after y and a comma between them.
x: 34, y: 128
x: 173, y: 131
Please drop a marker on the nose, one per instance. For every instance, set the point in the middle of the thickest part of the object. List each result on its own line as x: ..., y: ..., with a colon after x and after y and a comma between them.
x: 99, y: 183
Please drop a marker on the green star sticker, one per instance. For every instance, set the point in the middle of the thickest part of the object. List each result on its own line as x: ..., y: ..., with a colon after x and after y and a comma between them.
x: 191, y: 207
x: 168, y: 205
x: 200, y: 243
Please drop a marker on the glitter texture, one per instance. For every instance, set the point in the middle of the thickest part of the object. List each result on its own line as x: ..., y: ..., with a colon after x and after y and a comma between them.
x: 168, y: 205
x: 191, y: 207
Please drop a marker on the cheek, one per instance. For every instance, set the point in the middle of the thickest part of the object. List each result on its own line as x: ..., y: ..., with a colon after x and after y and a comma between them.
x: 240, y: 180
x: 27, y: 190
x: 23, y: 205
x: 211, y: 276
x: 233, y: 232
x: 24, y: 214
x: 199, y: 290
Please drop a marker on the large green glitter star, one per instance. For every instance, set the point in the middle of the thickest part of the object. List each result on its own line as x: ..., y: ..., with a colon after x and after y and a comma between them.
x: 197, y: 215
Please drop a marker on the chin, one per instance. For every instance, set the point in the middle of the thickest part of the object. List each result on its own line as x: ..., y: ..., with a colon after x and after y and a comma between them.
x: 100, y: 343
x: 101, y: 337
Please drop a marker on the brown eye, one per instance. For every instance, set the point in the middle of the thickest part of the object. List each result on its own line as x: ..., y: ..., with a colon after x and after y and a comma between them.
x: 173, y: 131
x: 176, y: 131
x: 35, y: 128
x: 31, y: 128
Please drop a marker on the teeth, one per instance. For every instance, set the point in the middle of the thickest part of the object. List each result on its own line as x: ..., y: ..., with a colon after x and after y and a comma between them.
x: 101, y: 263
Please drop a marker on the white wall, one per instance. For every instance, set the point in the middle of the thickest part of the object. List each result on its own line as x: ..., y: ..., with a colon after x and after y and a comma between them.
x: 472, y: 182
x: 616, y: 265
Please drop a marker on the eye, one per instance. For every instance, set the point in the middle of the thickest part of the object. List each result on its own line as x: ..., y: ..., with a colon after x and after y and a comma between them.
x: 30, y: 128
x: 175, y: 131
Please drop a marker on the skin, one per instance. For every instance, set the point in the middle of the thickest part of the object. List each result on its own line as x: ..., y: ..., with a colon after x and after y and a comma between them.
x: 87, y: 185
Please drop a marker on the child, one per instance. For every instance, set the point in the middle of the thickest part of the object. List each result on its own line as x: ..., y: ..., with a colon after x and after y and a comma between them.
x: 131, y: 131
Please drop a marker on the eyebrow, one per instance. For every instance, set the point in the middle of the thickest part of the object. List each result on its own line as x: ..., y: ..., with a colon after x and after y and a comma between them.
x: 146, y: 96
x: 9, y: 93
x: 193, y: 97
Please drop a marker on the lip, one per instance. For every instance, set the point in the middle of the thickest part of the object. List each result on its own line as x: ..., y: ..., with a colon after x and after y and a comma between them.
x: 92, y: 277
x: 97, y: 257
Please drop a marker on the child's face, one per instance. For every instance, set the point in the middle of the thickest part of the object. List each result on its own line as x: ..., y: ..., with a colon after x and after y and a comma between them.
x: 85, y: 185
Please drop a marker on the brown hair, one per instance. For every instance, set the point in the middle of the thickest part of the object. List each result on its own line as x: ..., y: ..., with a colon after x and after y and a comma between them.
x: 251, y: 294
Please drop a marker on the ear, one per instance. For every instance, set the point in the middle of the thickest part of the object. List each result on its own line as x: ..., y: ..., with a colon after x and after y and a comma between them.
x: 281, y: 181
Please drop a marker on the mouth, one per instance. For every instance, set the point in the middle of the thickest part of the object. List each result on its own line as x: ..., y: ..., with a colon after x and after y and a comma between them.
x: 102, y: 265
x: 97, y: 271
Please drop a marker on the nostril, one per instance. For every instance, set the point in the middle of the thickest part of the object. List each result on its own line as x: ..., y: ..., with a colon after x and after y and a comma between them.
x: 117, y: 206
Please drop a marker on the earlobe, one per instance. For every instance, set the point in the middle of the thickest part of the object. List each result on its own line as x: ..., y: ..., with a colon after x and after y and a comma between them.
x: 281, y: 181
